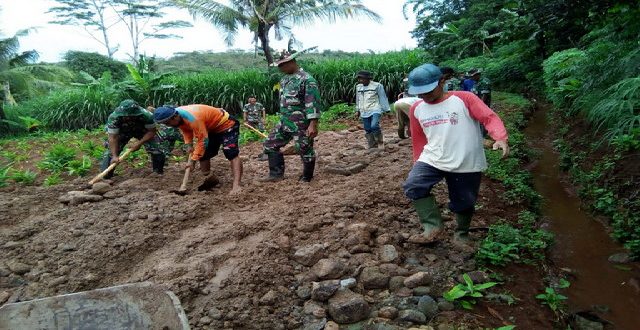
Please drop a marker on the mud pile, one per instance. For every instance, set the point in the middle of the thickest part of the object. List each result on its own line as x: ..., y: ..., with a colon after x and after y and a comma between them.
x: 283, y: 255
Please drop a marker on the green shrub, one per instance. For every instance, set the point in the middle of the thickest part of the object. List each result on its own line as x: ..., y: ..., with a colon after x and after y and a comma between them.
x: 74, y: 108
x: 94, y: 64
x: 52, y: 180
x: 79, y: 167
x: 26, y: 177
x: 57, y: 158
x: 506, y: 243
x: 5, y: 175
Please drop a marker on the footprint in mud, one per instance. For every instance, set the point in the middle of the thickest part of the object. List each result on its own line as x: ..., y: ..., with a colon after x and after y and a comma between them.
x: 209, y: 183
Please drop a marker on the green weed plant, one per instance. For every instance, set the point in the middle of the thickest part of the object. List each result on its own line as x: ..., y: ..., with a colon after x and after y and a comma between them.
x: 506, y: 243
x: 465, y: 294
x: 26, y: 177
x: 553, y: 299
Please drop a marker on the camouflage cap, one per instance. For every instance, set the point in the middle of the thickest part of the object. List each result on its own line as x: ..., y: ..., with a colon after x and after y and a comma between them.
x: 474, y: 71
x: 284, y: 57
x: 129, y: 108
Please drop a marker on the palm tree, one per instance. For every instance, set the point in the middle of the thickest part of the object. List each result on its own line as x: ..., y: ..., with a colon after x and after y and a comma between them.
x: 10, y: 59
x: 261, y: 16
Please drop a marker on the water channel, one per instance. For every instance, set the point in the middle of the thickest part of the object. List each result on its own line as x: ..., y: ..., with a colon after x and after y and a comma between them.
x: 582, y: 244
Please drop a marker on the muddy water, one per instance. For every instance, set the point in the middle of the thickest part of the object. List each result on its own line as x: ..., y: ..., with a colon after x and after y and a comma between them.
x: 582, y: 244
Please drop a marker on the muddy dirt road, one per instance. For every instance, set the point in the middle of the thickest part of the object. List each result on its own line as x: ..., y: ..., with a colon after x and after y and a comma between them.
x: 249, y: 261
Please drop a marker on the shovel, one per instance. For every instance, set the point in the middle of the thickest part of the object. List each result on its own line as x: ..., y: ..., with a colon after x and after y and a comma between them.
x: 183, y: 187
x: 110, y: 168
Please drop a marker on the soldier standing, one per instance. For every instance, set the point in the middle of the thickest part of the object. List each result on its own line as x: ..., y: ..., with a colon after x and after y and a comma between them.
x: 254, y: 113
x: 299, y: 113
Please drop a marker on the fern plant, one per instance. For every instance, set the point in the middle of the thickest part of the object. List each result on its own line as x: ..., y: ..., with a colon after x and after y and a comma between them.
x: 619, y: 113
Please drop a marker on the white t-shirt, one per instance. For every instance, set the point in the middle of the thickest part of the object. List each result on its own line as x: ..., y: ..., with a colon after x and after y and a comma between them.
x: 448, y: 133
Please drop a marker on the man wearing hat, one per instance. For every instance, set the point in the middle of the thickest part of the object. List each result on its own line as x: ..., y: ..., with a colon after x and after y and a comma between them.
x: 211, y: 128
x: 127, y: 121
x: 478, y: 85
x: 299, y: 113
x: 447, y: 144
x: 371, y: 102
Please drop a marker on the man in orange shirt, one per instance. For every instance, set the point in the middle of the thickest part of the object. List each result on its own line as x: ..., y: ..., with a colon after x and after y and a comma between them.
x: 211, y: 127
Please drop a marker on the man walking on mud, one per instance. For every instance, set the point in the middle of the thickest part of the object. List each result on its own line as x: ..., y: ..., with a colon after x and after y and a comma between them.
x: 299, y: 113
x: 128, y: 121
x: 212, y: 128
x: 447, y: 144
x: 371, y: 103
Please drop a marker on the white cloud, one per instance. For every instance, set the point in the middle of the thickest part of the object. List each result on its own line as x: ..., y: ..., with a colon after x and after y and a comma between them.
x: 52, y: 41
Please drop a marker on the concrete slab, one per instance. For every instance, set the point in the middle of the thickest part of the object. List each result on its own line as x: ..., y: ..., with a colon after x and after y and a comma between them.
x: 130, y: 306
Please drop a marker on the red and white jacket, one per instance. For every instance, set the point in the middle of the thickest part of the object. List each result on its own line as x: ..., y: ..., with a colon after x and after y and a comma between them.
x: 447, y: 135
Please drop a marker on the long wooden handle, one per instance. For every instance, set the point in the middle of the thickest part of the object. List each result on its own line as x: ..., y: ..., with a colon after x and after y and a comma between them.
x: 110, y: 168
x: 187, y: 173
x: 255, y: 130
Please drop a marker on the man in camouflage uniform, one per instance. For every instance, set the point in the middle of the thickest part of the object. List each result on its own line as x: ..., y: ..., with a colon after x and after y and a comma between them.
x: 127, y: 121
x: 452, y: 82
x: 254, y: 113
x: 299, y: 114
x: 166, y: 135
x: 478, y: 85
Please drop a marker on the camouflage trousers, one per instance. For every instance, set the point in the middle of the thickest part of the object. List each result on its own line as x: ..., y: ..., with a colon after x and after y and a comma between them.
x: 162, y: 143
x: 256, y: 124
x: 293, y: 126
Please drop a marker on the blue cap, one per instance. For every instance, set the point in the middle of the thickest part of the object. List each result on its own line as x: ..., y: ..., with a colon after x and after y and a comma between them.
x: 163, y: 113
x: 424, y: 79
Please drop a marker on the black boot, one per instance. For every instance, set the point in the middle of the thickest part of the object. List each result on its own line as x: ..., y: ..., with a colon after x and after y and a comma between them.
x: 307, y: 171
x: 157, y: 163
x: 371, y: 140
x: 106, y: 161
x: 276, y: 167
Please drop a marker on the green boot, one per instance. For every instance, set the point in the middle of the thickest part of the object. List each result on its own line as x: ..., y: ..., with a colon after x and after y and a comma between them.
x: 379, y: 139
x: 461, y: 237
x: 430, y: 218
x: 371, y: 141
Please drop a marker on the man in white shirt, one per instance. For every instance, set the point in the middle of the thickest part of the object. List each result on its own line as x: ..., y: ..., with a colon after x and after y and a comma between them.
x: 447, y: 144
x: 371, y: 102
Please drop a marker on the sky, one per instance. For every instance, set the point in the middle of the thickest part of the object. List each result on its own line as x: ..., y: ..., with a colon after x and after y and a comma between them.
x: 52, y: 41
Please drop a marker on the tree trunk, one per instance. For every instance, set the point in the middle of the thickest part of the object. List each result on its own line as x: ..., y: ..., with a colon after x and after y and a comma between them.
x: 263, y: 35
x: 6, y: 90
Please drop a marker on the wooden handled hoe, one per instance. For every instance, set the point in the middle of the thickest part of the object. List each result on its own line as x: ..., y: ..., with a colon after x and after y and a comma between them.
x: 110, y: 168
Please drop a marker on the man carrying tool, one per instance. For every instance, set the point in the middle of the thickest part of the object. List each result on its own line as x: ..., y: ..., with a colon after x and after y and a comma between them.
x: 127, y: 121
x: 371, y: 103
x: 299, y: 113
x: 211, y: 127
x: 255, y: 115
x: 445, y: 130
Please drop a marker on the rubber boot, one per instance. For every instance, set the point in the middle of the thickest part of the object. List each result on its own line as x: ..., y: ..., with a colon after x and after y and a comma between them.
x: 430, y: 218
x: 157, y: 163
x: 461, y: 235
x: 371, y: 140
x: 379, y: 139
x: 307, y: 171
x: 106, y: 161
x: 276, y: 167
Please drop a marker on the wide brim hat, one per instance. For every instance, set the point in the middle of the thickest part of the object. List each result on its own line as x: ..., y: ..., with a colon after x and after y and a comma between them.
x: 284, y: 57
x: 424, y: 79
